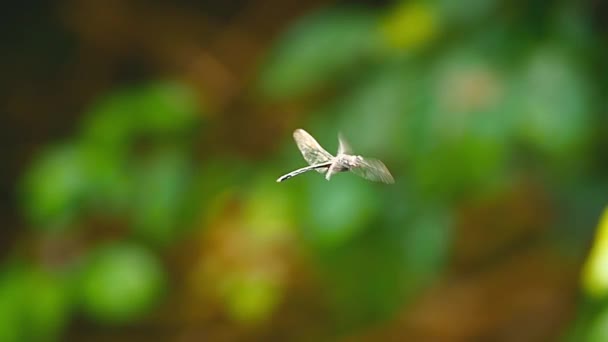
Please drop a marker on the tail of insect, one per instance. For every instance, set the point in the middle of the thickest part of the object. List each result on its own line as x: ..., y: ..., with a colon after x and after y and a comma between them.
x: 302, y: 170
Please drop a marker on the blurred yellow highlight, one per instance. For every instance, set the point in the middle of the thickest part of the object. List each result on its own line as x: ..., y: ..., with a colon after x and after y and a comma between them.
x: 595, y: 270
x: 410, y: 26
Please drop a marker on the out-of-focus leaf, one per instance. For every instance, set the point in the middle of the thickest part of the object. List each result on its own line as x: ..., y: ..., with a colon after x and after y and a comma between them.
x: 598, y: 331
x: 268, y: 210
x: 462, y: 166
x: 34, y: 305
x: 554, y: 112
x: 93, y: 171
x: 410, y: 25
x: 251, y: 298
x: 205, y: 198
x: 322, y: 47
x: 67, y: 179
x: 155, y: 109
x: 160, y: 188
x: 109, y: 124
x: 165, y: 108
x: 120, y: 283
x: 595, y: 271
x: 365, y: 277
x: 468, y: 95
x: 109, y: 187
x: 373, y: 115
x: 339, y: 209
x: 54, y: 187
x: 248, y: 256
x: 11, y: 307
x: 374, y: 273
x: 465, y: 12
x: 47, y: 305
x: 426, y: 243
x: 460, y: 139
x: 423, y: 230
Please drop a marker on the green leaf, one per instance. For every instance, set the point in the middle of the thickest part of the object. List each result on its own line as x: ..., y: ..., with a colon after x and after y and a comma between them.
x: 34, y: 304
x: 365, y: 277
x: 453, y: 169
x: 165, y: 108
x: 339, y: 209
x: 268, y: 209
x: 47, y: 305
x: 373, y: 114
x: 554, y: 100
x: 410, y: 26
x: 108, y: 184
x: 66, y: 180
x: 459, y: 140
x: 153, y: 110
x: 466, y: 12
x: 322, y: 47
x: 11, y: 307
x: 160, y: 186
x: 120, y: 283
x: 110, y: 122
x: 598, y: 331
x: 251, y: 298
x: 425, y: 244
x: 54, y: 187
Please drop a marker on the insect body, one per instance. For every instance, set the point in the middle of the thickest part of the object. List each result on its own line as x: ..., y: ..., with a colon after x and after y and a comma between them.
x: 322, y: 161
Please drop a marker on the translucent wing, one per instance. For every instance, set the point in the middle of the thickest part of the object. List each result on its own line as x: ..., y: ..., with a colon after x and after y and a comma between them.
x: 312, y: 152
x: 344, y: 147
x: 373, y: 170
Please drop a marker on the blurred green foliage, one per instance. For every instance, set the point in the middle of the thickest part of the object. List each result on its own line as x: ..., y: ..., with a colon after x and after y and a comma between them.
x: 120, y: 282
x: 130, y: 156
x: 460, y: 106
x: 461, y: 100
x: 131, y: 159
x: 35, y: 304
x: 320, y: 48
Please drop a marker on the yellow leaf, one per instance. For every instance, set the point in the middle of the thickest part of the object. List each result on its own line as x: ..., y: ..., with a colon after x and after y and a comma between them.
x: 595, y: 270
x: 410, y: 26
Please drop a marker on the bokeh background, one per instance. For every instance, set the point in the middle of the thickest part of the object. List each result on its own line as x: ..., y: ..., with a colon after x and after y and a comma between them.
x: 142, y: 139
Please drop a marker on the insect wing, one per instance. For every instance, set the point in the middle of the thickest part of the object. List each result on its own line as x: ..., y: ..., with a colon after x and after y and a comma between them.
x: 312, y: 152
x: 373, y: 170
x: 344, y: 147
